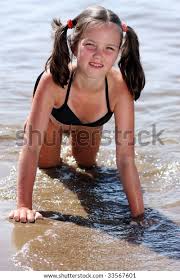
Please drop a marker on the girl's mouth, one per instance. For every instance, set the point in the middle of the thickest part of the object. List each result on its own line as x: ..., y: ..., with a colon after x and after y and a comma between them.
x: 95, y: 65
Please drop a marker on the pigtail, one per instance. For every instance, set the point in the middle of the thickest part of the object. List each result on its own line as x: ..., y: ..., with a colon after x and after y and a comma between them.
x: 60, y: 57
x: 130, y: 64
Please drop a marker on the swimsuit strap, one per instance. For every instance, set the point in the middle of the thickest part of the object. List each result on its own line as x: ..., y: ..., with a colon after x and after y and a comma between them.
x: 68, y: 89
x: 69, y: 86
x: 107, y: 96
x: 37, y: 82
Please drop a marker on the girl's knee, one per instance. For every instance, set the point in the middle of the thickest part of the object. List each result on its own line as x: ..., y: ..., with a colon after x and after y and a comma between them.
x: 43, y: 164
x: 85, y: 161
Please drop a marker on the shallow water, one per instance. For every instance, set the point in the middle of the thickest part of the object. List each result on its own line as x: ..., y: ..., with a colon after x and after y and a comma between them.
x: 87, y: 216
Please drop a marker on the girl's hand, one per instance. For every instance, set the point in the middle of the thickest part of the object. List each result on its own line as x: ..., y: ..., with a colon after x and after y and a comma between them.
x: 25, y: 215
x: 142, y: 221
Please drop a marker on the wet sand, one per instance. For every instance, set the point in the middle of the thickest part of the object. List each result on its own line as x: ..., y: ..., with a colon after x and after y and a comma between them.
x: 70, y: 238
x: 49, y: 245
x: 6, y: 244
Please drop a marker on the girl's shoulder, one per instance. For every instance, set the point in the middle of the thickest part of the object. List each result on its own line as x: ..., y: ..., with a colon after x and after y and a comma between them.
x: 115, y: 79
x: 116, y: 85
x: 56, y: 91
x: 48, y: 79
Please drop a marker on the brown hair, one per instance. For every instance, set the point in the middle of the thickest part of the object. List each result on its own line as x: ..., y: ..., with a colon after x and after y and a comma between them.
x: 129, y: 63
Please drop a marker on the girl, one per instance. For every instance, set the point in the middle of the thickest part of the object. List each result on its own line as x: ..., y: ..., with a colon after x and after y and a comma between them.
x: 82, y: 97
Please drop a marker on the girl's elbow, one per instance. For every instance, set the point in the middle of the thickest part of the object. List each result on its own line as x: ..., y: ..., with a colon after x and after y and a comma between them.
x: 33, y: 148
x: 33, y: 143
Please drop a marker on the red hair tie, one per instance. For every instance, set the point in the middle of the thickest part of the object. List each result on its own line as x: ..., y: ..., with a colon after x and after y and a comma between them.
x: 124, y: 26
x: 70, y: 24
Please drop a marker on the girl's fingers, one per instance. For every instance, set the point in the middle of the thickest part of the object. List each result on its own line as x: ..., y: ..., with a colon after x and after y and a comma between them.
x: 23, y: 215
x: 11, y: 215
x: 38, y: 216
x: 133, y: 223
x: 16, y: 215
x: 144, y: 223
x: 30, y: 216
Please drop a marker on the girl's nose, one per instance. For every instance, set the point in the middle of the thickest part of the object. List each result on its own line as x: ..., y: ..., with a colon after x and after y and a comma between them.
x: 98, y: 53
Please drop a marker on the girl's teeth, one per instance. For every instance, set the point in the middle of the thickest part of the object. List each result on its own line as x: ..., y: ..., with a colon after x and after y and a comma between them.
x: 96, y: 65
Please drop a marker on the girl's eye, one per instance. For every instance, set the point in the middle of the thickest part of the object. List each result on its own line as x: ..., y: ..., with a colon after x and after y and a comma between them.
x: 109, y: 48
x: 89, y: 44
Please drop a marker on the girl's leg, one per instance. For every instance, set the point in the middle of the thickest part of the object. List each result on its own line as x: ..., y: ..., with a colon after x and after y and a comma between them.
x: 85, y: 144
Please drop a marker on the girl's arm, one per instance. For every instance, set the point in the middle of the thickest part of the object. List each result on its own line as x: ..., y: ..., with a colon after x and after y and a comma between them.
x: 125, y: 156
x: 36, y: 126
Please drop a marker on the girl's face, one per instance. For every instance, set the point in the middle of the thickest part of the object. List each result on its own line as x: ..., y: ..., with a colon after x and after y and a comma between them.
x: 98, y: 49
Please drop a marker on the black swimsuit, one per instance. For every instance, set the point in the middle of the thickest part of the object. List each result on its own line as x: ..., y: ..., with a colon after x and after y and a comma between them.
x: 65, y: 115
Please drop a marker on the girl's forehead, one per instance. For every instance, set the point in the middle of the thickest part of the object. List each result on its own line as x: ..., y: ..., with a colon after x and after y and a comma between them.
x: 102, y: 30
